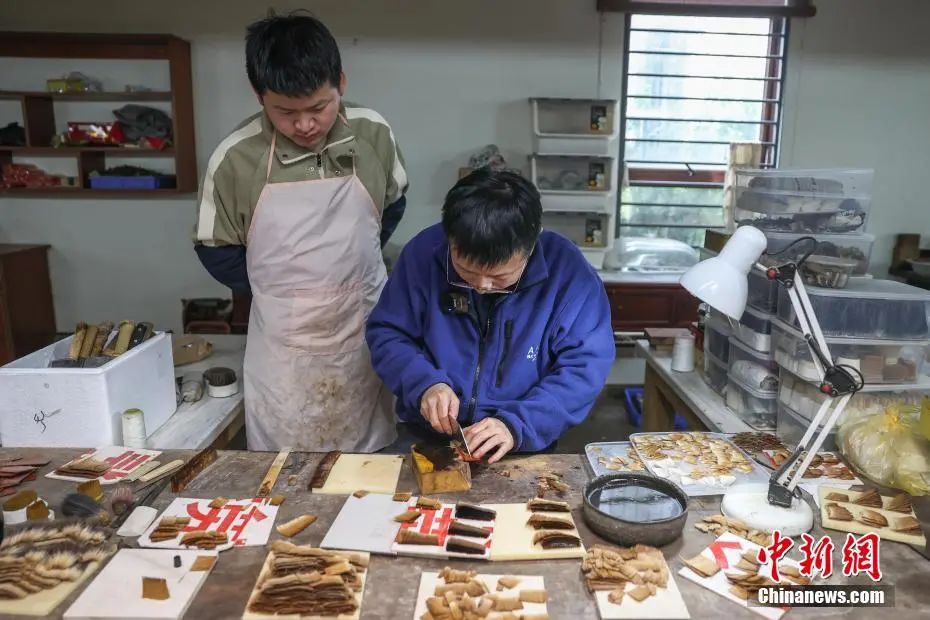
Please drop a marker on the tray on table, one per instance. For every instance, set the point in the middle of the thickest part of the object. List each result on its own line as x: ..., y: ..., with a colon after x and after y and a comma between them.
x: 605, y: 450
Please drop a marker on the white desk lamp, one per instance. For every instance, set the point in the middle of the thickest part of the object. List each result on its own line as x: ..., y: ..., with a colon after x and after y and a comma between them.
x: 721, y: 282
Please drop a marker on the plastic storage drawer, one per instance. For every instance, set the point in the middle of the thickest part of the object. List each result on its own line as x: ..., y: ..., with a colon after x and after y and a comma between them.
x: 571, y: 173
x: 574, y: 117
x: 879, y: 361
x: 763, y: 293
x: 755, y: 330
x: 717, y: 339
x: 866, y: 308
x: 715, y: 373
x: 853, y: 247
x: 807, y: 201
x: 791, y: 427
x: 804, y: 397
x: 756, y: 408
x: 752, y: 368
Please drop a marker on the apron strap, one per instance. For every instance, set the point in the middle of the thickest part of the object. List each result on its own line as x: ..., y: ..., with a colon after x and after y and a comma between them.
x: 274, y: 140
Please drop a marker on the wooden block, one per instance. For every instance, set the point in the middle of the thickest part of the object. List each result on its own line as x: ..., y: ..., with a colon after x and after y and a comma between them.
x: 439, y: 469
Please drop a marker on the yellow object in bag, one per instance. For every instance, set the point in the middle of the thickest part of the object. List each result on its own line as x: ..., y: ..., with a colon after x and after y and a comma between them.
x: 891, y: 448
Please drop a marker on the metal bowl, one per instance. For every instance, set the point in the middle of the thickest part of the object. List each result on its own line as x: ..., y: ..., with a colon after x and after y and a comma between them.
x: 654, y: 532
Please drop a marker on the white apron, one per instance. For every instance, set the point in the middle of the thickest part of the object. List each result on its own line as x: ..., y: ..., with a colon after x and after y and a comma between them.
x: 316, y: 271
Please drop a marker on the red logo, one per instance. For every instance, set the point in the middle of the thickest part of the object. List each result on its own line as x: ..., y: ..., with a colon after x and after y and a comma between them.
x: 774, y: 552
x: 817, y: 558
x: 861, y: 556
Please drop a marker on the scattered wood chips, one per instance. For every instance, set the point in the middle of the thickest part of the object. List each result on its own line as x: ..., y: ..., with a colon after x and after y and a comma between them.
x: 719, y: 524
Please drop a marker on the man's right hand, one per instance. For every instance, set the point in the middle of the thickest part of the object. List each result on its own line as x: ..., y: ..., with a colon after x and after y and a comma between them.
x: 439, y: 405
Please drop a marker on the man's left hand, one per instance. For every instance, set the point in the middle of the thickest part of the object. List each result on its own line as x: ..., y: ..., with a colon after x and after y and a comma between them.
x: 490, y: 434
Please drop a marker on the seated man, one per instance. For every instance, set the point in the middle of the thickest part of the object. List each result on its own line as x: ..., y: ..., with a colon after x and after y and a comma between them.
x: 490, y: 321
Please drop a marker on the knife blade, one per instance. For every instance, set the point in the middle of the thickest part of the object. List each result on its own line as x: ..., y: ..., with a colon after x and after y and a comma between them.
x: 457, y: 429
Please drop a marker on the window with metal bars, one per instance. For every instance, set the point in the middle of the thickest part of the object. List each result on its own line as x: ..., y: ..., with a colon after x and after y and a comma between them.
x: 692, y: 86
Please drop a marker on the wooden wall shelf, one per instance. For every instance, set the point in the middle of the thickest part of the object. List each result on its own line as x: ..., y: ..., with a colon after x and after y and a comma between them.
x: 39, y: 115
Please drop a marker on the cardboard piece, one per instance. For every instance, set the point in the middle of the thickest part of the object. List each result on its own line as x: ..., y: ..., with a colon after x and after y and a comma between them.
x: 719, y: 583
x: 429, y: 581
x: 123, y: 461
x: 246, y: 522
x: 45, y: 602
x: 665, y: 605
x: 855, y: 527
x: 117, y: 590
x: 375, y: 473
x: 249, y: 615
x: 513, y: 538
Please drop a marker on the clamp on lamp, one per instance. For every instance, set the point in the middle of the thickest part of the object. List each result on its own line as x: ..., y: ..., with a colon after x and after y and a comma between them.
x: 721, y: 282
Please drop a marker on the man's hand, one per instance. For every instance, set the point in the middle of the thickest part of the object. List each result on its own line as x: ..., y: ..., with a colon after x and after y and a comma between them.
x: 487, y: 435
x: 439, y: 405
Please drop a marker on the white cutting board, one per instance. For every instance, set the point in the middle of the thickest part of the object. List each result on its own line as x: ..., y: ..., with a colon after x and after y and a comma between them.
x: 667, y: 604
x: 429, y: 581
x: 365, y: 524
x: 855, y: 527
x: 250, y: 615
x: 117, y: 591
x: 513, y: 538
x: 123, y: 461
x: 375, y: 473
x: 246, y: 522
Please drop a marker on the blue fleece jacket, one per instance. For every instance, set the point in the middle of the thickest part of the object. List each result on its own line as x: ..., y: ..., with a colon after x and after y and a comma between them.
x: 543, y: 361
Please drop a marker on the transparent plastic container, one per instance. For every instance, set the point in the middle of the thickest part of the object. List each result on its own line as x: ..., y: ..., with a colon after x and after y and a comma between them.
x: 715, y: 373
x: 805, y: 398
x: 755, y: 329
x: 827, y: 271
x: 853, y: 247
x: 753, y: 368
x: 814, y: 201
x: 879, y: 361
x: 574, y: 117
x: 717, y: 339
x: 586, y: 230
x: 571, y: 173
x: 763, y: 293
x: 756, y: 408
x: 790, y: 428
x: 866, y: 308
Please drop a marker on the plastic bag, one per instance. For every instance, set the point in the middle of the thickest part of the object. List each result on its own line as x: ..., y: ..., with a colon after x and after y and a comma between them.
x: 891, y: 448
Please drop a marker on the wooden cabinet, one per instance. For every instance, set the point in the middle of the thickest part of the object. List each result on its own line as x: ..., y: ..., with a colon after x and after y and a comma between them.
x: 636, y: 306
x: 27, y: 317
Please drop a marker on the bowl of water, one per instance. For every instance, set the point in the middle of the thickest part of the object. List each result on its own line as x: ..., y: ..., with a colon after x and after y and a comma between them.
x: 632, y: 508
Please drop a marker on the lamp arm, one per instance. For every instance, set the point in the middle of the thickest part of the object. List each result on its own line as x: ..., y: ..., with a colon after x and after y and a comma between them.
x: 837, y: 383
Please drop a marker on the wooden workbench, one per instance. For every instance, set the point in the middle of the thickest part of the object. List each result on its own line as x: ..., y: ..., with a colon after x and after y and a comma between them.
x: 392, y: 583
x: 666, y: 392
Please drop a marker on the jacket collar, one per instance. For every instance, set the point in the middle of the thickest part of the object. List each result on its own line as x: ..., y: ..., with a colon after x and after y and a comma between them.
x: 537, y: 269
x: 340, y: 142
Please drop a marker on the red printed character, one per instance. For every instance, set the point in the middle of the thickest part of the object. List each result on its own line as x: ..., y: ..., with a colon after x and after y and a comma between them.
x: 774, y: 552
x: 817, y: 557
x: 246, y: 514
x: 201, y: 520
x: 861, y: 556
x: 122, y: 464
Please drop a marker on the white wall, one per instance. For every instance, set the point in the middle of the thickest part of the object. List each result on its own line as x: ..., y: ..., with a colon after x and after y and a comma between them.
x: 449, y: 76
x: 452, y: 77
x: 858, y: 94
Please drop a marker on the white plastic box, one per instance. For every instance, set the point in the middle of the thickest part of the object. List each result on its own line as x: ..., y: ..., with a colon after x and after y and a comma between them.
x: 715, y: 373
x: 82, y: 407
x: 879, y: 361
x: 573, y: 182
x: 753, y: 368
x: 577, y: 126
x: 755, y: 330
x: 754, y: 407
x: 790, y: 428
x: 805, y: 399
x: 866, y: 308
x: 808, y: 201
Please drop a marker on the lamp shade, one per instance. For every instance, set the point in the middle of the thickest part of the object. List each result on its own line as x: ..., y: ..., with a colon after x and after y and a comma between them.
x: 720, y: 281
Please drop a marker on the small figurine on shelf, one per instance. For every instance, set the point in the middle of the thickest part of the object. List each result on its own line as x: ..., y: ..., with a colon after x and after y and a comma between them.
x: 599, y: 121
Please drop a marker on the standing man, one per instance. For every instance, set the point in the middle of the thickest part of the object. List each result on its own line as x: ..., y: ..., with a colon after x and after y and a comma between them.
x: 492, y: 323
x: 295, y: 207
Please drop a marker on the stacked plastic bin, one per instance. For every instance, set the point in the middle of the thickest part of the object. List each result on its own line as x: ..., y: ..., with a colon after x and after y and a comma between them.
x: 574, y: 167
x: 879, y: 327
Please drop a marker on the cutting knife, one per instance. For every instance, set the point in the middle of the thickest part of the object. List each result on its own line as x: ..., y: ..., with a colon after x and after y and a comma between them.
x: 460, y: 434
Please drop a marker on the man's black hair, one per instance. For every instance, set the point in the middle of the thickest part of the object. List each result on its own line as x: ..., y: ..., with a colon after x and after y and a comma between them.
x: 292, y: 55
x: 490, y: 216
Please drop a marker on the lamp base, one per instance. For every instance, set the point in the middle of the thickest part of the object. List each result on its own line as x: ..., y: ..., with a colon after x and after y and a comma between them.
x: 749, y: 503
